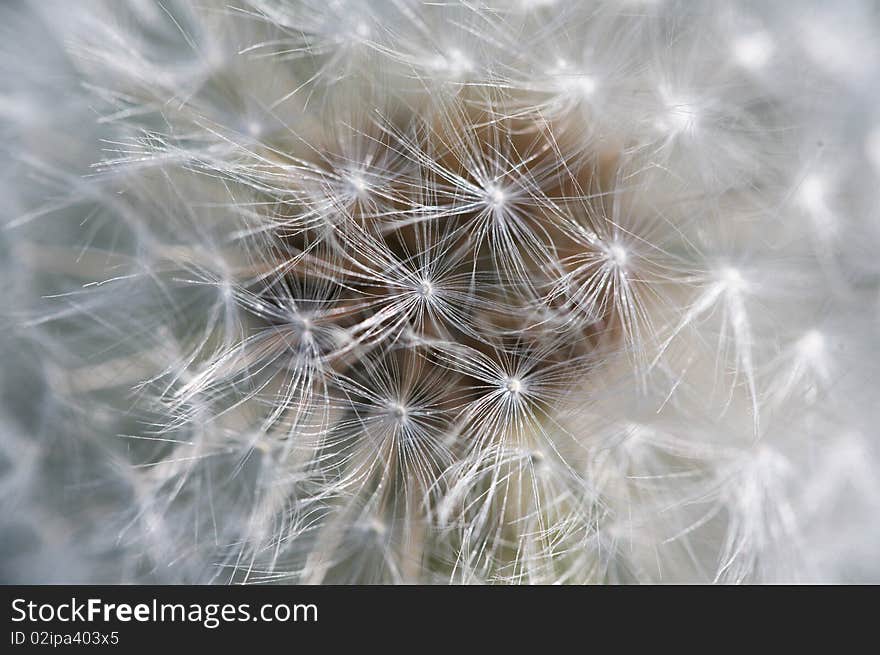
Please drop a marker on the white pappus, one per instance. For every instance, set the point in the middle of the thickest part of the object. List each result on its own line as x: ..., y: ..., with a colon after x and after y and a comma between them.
x: 500, y: 291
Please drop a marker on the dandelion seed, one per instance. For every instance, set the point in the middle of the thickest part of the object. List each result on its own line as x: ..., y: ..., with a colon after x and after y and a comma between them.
x: 752, y: 51
x: 681, y: 116
x: 617, y: 254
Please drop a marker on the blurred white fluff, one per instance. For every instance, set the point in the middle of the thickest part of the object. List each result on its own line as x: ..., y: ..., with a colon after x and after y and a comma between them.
x: 489, y: 292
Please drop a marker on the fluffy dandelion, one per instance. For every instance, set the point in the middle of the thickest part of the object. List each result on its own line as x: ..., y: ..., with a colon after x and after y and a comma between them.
x: 408, y: 292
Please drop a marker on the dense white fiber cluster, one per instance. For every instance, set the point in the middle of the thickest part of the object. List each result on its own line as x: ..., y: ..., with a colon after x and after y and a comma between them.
x: 490, y: 291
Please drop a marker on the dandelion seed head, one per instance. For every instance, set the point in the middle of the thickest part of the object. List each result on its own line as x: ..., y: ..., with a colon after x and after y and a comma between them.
x: 419, y: 292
